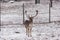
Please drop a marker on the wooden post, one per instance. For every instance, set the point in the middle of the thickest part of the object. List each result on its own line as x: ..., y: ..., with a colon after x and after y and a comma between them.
x: 37, y: 1
x: 15, y: 0
x: 49, y: 13
x: 51, y: 3
x: 0, y: 27
x: 0, y: 24
x: 0, y: 18
x: 23, y: 12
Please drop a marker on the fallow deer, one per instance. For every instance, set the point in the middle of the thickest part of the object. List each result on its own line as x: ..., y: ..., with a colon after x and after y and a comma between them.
x: 28, y: 24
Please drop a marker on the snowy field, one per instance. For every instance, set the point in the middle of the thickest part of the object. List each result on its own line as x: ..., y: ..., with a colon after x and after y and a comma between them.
x: 12, y: 19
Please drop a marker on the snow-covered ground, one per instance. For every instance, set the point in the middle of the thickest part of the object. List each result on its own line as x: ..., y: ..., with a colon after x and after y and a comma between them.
x: 12, y: 19
x: 50, y: 31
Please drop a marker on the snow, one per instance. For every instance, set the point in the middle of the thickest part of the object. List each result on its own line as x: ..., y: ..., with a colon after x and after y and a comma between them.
x: 39, y: 32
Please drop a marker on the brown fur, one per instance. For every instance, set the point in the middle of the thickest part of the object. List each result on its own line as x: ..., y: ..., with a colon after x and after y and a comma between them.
x: 28, y: 25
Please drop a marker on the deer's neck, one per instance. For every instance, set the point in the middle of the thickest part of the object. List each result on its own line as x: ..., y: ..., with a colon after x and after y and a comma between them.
x: 31, y: 20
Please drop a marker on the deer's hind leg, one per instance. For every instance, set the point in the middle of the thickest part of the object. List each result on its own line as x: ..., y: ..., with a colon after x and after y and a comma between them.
x: 26, y: 29
x: 30, y: 31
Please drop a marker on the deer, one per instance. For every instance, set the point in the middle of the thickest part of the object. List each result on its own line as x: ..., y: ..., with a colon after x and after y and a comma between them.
x: 28, y: 23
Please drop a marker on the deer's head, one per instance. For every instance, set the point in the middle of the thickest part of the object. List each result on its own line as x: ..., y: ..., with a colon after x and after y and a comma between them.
x: 31, y: 17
